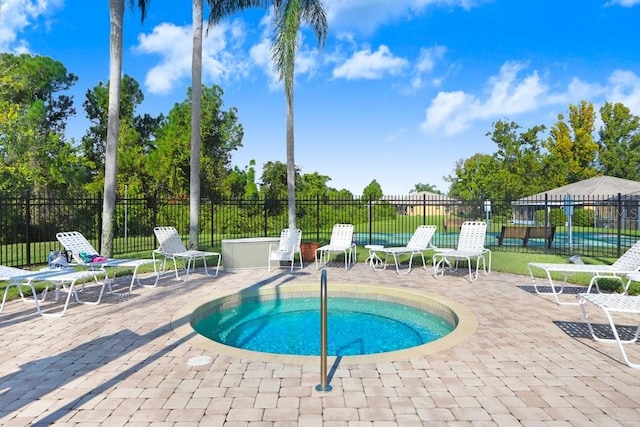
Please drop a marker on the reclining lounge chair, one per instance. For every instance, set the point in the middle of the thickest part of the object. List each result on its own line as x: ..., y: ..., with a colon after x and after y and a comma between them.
x: 80, y: 247
x: 172, y: 247
x: 341, y: 241
x: 628, y: 263
x: 420, y: 241
x: 470, y: 247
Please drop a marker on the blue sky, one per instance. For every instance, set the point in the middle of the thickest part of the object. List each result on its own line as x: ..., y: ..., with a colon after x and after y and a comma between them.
x: 401, y: 91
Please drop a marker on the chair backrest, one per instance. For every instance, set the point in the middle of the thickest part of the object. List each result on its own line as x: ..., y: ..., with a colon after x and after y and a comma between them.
x: 472, y: 235
x: 169, y: 240
x: 75, y: 242
x: 421, y: 238
x: 290, y: 239
x: 341, y: 235
x: 630, y: 260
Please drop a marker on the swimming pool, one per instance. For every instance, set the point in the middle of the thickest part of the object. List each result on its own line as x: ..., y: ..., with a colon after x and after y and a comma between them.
x: 464, y: 320
x: 584, y: 241
x: 356, y: 326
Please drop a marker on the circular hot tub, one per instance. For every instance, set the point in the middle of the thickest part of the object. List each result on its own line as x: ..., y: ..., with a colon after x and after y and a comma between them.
x: 367, y: 323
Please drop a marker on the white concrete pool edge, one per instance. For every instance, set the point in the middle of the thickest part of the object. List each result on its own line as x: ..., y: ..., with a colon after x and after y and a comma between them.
x: 466, y: 327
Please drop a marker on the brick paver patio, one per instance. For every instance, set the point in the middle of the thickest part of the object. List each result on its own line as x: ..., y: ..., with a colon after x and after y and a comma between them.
x: 530, y: 362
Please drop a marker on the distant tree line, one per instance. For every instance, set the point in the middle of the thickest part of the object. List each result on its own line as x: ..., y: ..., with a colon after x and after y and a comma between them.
x: 154, y: 151
x: 525, y: 163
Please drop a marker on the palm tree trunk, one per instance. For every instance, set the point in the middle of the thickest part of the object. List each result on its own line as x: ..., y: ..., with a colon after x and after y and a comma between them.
x: 116, y: 14
x: 291, y: 165
x: 196, y: 112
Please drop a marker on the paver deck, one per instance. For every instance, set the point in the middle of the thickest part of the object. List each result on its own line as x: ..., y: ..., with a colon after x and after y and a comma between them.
x: 530, y: 362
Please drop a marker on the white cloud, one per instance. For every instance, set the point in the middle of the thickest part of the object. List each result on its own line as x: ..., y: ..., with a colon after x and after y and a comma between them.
x: 425, y: 65
x: 623, y: 3
x: 365, y: 64
x: 367, y: 15
x: 624, y: 87
x: 17, y: 15
x: 220, y: 59
x: 508, y: 94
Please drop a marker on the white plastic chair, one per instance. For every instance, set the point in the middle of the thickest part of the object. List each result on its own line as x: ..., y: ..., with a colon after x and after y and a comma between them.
x: 341, y: 241
x: 65, y: 279
x: 612, y: 304
x: 172, y: 247
x: 470, y: 247
x: 77, y: 244
x: 420, y: 241
x: 287, y: 248
x: 627, y: 264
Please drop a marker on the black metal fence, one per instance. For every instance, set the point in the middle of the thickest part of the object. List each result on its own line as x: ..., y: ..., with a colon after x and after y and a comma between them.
x: 604, y: 226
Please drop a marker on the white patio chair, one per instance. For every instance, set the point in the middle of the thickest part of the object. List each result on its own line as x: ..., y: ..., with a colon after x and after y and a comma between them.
x: 78, y: 245
x: 610, y: 304
x: 470, y: 247
x: 64, y: 279
x: 420, y: 241
x: 287, y: 248
x: 341, y: 241
x: 172, y: 247
x: 627, y: 264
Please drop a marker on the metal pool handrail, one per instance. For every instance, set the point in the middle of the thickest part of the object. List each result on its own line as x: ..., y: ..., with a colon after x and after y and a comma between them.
x: 323, y: 386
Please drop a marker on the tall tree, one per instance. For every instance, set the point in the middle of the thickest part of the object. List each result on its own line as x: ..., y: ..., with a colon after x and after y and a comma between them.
x: 619, y: 144
x: 169, y: 164
x: 419, y: 187
x: 571, y: 147
x: 289, y: 16
x: 196, y: 111
x: 34, y: 153
x: 518, y: 156
x: 373, y: 191
x: 116, y: 15
x: 135, y: 140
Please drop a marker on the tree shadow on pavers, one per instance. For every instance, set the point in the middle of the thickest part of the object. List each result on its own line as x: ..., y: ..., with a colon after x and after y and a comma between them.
x: 28, y: 312
x: 35, y: 379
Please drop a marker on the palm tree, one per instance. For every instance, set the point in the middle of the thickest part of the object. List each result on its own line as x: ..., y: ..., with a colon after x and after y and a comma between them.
x: 116, y: 14
x: 289, y: 16
x: 196, y: 115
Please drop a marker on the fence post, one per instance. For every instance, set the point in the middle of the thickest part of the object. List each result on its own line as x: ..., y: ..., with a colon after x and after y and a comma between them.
x: 99, y: 204
x: 619, y: 220
x: 27, y: 222
x: 546, y: 210
x: 212, y: 220
x: 317, y: 218
x: 370, y: 205
x: 424, y: 209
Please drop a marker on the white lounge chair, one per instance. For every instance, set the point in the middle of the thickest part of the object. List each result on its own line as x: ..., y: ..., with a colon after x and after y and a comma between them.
x: 628, y: 263
x: 470, y: 247
x: 612, y: 304
x: 341, y: 241
x: 420, y: 241
x: 287, y: 248
x: 79, y: 246
x: 172, y: 247
x: 65, y: 279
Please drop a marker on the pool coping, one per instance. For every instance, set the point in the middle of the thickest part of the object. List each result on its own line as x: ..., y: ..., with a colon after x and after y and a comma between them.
x: 467, y: 325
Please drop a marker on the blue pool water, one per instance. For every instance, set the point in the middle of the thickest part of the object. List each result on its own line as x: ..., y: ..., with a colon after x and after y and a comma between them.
x: 449, y: 239
x: 292, y: 326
